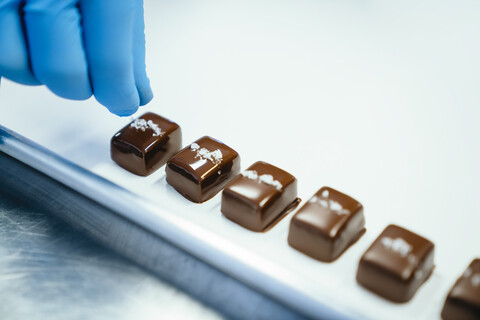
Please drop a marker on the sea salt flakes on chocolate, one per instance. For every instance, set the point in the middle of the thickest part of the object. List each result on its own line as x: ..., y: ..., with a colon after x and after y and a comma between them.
x: 146, y: 144
x: 202, y: 169
x: 396, y: 264
x: 326, y: 225
x: 260, y: 196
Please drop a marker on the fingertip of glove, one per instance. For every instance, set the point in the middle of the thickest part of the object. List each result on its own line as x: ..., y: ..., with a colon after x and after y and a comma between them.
x: 14, y: 66
x: 24, y: 77
x: 123, y: 112
x: 25, y: 80
x: 122, y: 103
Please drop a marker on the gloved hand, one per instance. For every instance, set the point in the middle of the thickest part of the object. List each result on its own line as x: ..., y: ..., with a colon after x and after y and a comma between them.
x: 76, y: 48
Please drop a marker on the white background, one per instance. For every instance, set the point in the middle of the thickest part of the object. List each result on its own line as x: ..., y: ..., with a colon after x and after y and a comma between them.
x: 378, y: 99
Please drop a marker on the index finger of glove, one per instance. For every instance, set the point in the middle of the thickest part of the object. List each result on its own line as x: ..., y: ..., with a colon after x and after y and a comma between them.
x: 108, y: 37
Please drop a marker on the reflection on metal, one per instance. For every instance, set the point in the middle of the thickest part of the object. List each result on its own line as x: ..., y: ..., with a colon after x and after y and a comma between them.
x: 48, y: 270
x: 172, y: 264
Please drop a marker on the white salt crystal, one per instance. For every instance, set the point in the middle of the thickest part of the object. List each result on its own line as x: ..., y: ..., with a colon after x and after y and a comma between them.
x: 277, y: 184
x: 217, y: 156
x: 401, y: 246
x: 323, y: 203
x: 142, y: 124
x: 203, y: 153
x: 194, y: 146
x: 335, y: 206
x: 250, y: 174
x: 155, y: 128
x: 268, y: 179
x: 264, y: 178
x: 397, y: 245
x: 387, y: 242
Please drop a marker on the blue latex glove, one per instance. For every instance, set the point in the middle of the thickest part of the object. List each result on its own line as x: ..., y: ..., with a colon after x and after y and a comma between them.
x: 76, y: 47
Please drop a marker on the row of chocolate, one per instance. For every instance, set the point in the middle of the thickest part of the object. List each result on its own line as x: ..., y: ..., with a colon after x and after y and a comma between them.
x: 394, y: 266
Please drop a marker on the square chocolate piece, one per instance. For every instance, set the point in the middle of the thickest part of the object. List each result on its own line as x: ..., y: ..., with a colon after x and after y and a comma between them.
x: 463, y: 301
x: 145, y: 144
x: 201, y: 170
x: 260, y: 196
x: 327, y: 225
x: 396, y: 264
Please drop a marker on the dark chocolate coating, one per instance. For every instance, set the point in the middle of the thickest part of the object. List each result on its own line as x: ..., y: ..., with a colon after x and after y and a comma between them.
x: 144, y: 151
x: 197, y: 174
x: 327, y: 225
x: 396, y: 264
x: 254, y: 204
x: 463, y: 301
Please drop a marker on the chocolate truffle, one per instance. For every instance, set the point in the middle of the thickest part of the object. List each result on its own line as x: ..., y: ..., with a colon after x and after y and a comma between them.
x: 202, y: 169
x: 145, y: 144
x: 259, y: 196
x: 327, y: 225
x: 396, y: 264
x: 463, y: 301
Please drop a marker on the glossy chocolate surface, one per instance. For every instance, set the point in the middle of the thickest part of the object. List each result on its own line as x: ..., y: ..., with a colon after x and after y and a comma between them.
x: 396, y: 264
x: 202, y: 169
x: 327, y: 225
x: 145, y: 144
x: 463, y: 301
x: 259, y: 196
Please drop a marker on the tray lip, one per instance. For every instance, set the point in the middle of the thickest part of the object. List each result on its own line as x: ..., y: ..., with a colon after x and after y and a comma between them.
x: 250, y: 268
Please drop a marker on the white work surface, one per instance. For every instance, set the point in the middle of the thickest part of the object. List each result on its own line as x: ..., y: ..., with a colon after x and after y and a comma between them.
x: 378, y: 99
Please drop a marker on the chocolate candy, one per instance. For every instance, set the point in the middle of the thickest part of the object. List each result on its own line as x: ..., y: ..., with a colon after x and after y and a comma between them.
x: 259, y: 196
x: 202, y: 169
x: 327, y: 225
x: 463, y: 301
x: 396, y: 264
x: 145, y: 144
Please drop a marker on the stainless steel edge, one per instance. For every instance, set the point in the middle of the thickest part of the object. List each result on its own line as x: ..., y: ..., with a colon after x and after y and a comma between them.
x: 232, y: 259
x: 207, y: 284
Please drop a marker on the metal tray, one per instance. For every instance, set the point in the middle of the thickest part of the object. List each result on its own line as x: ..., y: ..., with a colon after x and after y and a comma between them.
x: 347, y: 95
